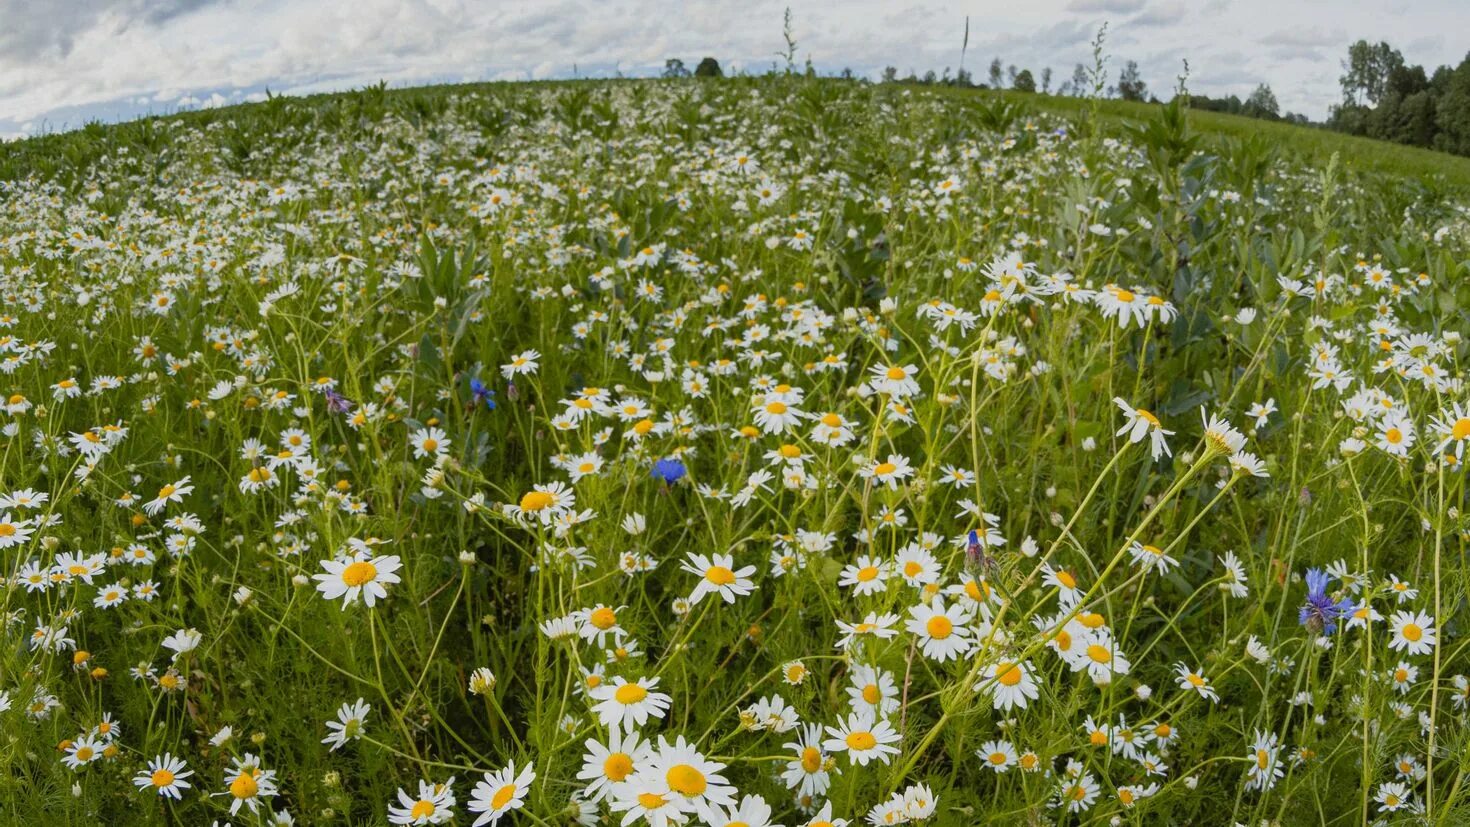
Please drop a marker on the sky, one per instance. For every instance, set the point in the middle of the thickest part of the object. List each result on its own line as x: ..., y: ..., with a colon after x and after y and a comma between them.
x: 66, y: 62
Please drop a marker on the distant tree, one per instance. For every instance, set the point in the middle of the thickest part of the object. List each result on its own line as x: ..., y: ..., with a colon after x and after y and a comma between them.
x: 674, y: 68
x: 929, y: 78
x: 708, y: 68
x: 1262, y: 103
x: 1366, y: 71
x: 1080, y: 84
x: 1011, y: 74
x: 1046, y: 81
x: 1130, y: 85
x: 996, y: 73
x: 1452, y: 115
x: 964, y: 79
x: 890, y: 74
x: 1023, y: 81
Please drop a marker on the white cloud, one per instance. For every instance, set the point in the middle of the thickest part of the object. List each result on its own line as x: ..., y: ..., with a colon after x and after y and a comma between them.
x: 101, y: 58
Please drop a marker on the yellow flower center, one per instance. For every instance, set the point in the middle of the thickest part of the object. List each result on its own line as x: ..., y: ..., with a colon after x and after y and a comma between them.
x: 651, y: 801
x: 1461, y: 429
x: 1066, y: 579
x: 166, y: 492
x: 896, y: 373
x: 358, y: 573
x: 503, y: 796
x: 618, y: 766
x: 867, y: 573
x: 940, y: 627
x: 832, y: 420
x: 431, y: 445
x: 1412, y: 632
x: 776, y: 408
x: 1125, y: 296
x: 686, y: 780
x: 1009, y: 674
x: 161, y: 778
x: 630, y: 693
x: 1100, y: 654
x: 7, y: 530
x: 719, y: 575
x: 535, y: 501
x: 604, y: 618
x: 244, y: 785
x: 1394, y: 436
x: 425, y: 808
x: 861, y: 741
x: 811, y: 759
x: 790, y: 451
x: 872, y: 694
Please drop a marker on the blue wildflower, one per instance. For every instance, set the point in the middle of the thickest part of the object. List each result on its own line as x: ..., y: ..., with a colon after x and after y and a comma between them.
x: 669, y: 470
x: 1321, y: 612
x: 481, y: 393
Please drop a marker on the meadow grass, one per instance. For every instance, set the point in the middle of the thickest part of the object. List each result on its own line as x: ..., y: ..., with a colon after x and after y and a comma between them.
x: 749, y: 452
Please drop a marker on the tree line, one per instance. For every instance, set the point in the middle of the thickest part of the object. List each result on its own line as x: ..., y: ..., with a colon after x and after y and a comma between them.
x: 1384, y: 97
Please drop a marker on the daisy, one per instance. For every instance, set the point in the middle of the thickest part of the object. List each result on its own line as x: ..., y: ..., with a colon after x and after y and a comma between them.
x: 865, y: 576
x: 360, y: 575
x: 174, y: 492
x: 680, y: 773
x: 1010, y: 684
x: 718, y: 575
x: 889, y: 472
x: 628, y: 705
x: 775, y: 416
x: 522, y: 364
x: 1151, y: 558
x: 428, y: 442
x: 824, y: 818
x: 349, y: 726
x: 809, y: 773
x: 182, y: 642
x: 1392, y: 796
x: 863, y: 739
x: 166, y: 775
x: 434, y: 804
x: 246, y: 783
x: 499, y: 793
x: 604, y: 767
x: 1395, y: 434
x: 999, y: 756
x: 941, y: 631
x: 753, y: 811
x: 894, y: 381
x: 1140, y: 423
x: 1413, y: 632
x: 1191, y: 679
x: 82, y: 751
x: 872, y: 689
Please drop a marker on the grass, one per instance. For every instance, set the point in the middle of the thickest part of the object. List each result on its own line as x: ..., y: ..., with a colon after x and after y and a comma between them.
x: 874, y: 454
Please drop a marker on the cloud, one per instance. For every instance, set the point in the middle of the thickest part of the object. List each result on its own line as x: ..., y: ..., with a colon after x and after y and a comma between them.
x: 68, y: 61
x: 1164, y: 15
x: 1106, y: 6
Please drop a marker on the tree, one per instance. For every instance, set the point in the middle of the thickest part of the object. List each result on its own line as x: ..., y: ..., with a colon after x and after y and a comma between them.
x: 1452, y: 116
x: 890, y: 74
x: 1024, y: 82
x: 674, y: 68
x: 1366, y: 71
x: 1262, y: 103
x: 708, y: 68
x: 996, y: 73
x: 1130, y: 85
x: 1080, y: 84
x: 1046, y: 80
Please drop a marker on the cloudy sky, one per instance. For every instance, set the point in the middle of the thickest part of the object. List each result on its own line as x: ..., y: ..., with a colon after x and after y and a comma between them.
x: 64, y: 62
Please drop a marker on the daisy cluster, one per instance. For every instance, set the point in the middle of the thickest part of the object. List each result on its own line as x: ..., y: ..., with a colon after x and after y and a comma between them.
x: 756, y: 453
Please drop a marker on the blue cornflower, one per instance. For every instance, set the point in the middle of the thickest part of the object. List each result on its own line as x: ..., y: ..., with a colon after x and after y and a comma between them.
x: 669, y: 470
x: 481, y: 393
x: 1321, y: 613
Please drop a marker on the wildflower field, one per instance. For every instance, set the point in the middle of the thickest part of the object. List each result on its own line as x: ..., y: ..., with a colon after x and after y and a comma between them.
x: 742, y: 453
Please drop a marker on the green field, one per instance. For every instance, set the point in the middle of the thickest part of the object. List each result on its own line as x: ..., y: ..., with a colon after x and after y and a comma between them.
x: 755, y: 452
